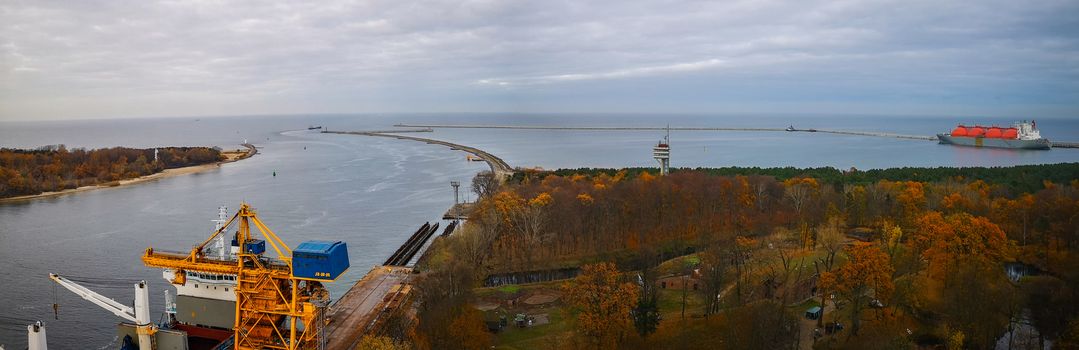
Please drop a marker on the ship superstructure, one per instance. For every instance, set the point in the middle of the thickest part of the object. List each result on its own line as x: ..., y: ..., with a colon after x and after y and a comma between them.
x: 279, y: 301
x: 1021, y: 135
x: 208, y: 299
x: 230, y: 293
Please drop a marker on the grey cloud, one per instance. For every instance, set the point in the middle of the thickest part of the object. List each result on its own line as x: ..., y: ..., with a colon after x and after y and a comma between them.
x: 61, y: 59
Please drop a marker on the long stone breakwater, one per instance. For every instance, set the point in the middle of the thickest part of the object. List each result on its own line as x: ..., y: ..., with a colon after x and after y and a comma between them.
x: 652, y: 128
x: 499, y: 167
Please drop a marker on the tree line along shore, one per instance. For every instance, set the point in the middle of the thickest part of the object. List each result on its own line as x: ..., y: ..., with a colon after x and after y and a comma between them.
x: 57, y: 168
x: 749, y: 258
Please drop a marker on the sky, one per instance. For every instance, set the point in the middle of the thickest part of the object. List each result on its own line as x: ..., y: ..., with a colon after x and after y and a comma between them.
x: 150, y: 58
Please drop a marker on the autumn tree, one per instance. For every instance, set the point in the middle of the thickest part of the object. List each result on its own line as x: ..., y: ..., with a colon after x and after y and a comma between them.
x: 602, y: 302
x: 526, y: 220
x: 740, y: 255
x: 867, y: 275
x: 1047, y: 298
x: 55, y: 168
x: 977, y: 302
x: 646, y: 313
x: 485, y: 183
x: 911, y: 201
x: 1070, y: 338
x: 467, y: 331
x: 763, y: 324
x: 830, y: 237
x: 800, y: 192
x: 374, y: 342
x: 1015, y: 216
x: 958, y: 239
x: 445, y: 318
x: 714, y: 272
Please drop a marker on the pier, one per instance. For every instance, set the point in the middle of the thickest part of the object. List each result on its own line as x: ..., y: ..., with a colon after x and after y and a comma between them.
x: 458, y: 211
x: 360, y: 309
x: 499, y: 167
x: 582, y: 128
x: 383, y: 290
x: 404, y: 254
x: 876, y: 134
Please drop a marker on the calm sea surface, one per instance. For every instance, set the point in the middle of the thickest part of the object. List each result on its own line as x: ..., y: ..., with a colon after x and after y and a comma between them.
x: 370, y: 192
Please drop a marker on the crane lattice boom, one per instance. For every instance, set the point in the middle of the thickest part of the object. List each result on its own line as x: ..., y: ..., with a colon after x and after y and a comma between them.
x: 274, y: 307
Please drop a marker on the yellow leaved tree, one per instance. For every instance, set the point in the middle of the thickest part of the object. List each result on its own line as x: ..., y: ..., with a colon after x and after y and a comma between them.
x: 602, y: 302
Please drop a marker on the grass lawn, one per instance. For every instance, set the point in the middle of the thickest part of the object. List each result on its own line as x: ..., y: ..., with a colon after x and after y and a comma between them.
x: 670, y: 304
x: 546, y: 336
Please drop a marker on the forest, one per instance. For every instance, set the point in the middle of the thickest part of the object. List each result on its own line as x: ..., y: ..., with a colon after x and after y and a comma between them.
x: 1024, y: 178
x: 964, y: 258
x: 56, y: 168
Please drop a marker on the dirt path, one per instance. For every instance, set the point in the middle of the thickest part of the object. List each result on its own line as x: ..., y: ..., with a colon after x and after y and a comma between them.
x: 806, y: 340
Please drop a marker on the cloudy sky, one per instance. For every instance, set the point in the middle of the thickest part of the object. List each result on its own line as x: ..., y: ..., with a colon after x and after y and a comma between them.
x: 140, y: 58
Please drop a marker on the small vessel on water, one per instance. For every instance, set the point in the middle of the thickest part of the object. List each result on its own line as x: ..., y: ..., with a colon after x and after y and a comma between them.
x: 319, y: 127
x: 791, y: 128
x: 1022, y: 135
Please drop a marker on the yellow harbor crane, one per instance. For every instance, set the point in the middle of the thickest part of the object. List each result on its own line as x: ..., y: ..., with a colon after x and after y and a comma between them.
x: 279, y: 301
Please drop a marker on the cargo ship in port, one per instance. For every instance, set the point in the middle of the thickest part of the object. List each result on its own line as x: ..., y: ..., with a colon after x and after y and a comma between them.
x: 229, y: 292
x: 1021, y: 135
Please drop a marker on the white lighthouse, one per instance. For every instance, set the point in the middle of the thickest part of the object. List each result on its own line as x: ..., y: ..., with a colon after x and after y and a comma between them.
x: 662, y: 153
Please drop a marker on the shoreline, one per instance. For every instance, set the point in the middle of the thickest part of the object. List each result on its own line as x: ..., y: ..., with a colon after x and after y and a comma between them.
x: 232, y: 156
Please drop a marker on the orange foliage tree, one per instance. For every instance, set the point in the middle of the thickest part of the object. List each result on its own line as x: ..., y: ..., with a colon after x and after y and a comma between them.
x: 468, y: 331
x: 603, y: 303
x: 958, y: 238
x: 866, y: 276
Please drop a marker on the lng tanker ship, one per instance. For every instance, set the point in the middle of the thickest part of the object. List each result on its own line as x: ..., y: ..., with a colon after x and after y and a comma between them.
x: 1022, y: 135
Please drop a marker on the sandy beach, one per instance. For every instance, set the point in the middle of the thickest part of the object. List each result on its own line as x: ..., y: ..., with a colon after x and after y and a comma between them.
x: 230, y: 156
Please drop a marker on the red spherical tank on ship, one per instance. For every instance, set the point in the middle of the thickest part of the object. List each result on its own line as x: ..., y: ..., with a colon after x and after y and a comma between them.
x: 994, y: 133
x: 959, y: 131
x: 975, y: 131
x: 1010, y: 133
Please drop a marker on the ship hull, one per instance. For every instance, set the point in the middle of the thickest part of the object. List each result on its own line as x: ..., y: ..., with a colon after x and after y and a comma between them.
x: 994, y: 143
x: 206, y: 312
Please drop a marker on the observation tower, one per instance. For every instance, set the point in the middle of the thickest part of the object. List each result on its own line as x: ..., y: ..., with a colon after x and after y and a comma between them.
x: 662, y: 153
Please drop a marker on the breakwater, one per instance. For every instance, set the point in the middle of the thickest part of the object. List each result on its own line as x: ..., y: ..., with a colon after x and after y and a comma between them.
x: 499, y: 167
x: 660, y: 128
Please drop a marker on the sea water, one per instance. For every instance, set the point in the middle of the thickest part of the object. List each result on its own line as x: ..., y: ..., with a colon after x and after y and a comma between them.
x: 371, y: 192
